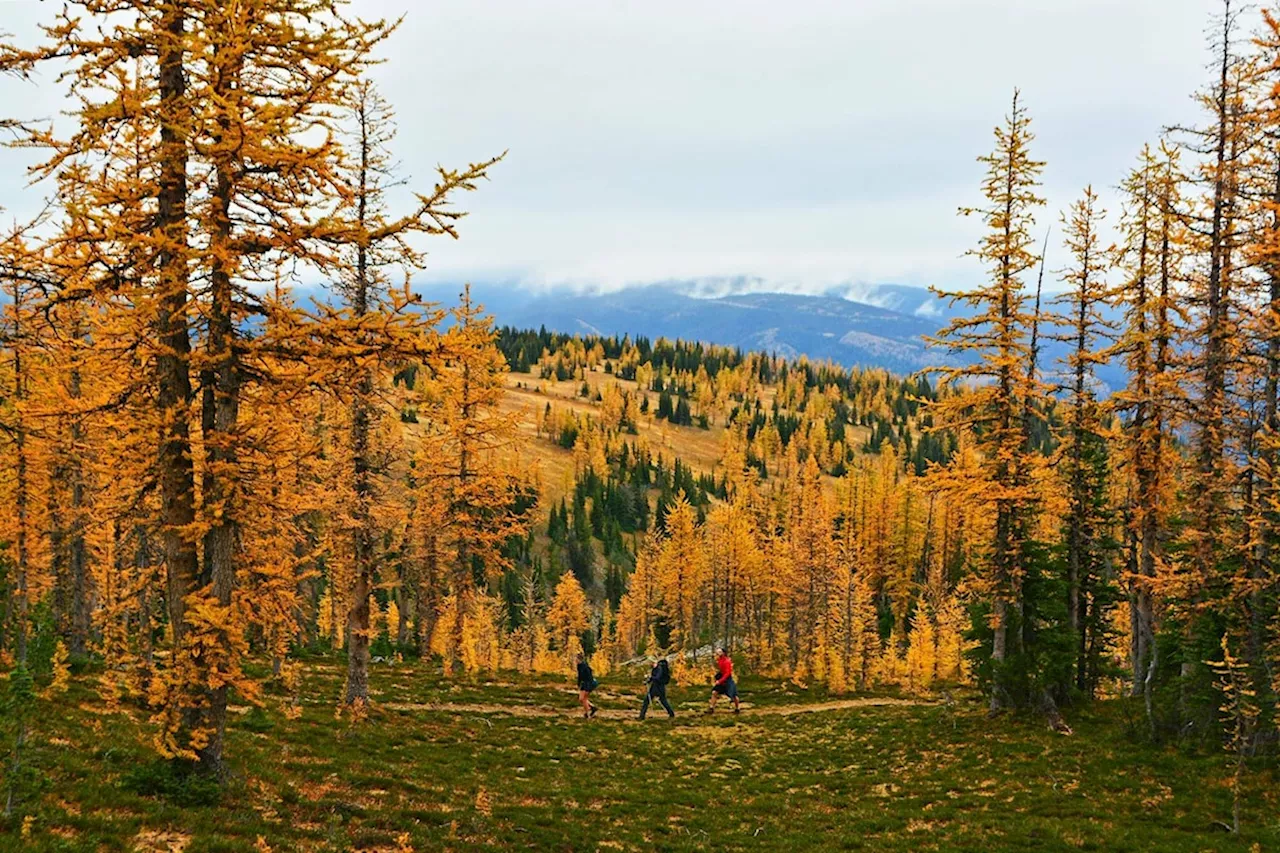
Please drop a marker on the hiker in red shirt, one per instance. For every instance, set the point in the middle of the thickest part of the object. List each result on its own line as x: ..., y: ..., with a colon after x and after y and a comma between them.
x: 724, y: 684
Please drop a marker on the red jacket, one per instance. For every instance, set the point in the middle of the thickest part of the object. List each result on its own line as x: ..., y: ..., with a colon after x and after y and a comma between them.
x: 725, y: 668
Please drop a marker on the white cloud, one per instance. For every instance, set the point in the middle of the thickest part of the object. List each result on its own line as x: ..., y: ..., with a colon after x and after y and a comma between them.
x: 806, y: 143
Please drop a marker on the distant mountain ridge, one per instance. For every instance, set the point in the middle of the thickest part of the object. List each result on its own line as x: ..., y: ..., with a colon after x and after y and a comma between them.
x: 821, y: 327
x: 881, y: 325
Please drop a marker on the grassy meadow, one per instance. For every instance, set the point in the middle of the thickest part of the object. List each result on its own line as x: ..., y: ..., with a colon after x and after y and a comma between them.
x: 466, y: 764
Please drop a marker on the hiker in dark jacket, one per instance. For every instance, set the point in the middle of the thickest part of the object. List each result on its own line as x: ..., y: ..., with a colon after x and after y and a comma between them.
x: 659, y: 678
x: 586, y: 683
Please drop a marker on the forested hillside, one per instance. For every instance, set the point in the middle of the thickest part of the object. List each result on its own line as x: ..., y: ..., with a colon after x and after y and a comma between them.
x: 723, y: 456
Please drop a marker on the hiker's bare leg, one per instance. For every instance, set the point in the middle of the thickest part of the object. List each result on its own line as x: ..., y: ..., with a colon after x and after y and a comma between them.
x: 585, y: 699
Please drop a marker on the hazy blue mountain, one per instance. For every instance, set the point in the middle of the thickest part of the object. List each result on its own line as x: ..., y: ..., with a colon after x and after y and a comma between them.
x: 821, y: 327
x: 882, y: 325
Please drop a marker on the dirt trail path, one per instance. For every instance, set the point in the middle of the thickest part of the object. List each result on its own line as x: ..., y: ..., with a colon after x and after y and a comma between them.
x: 748, y: 710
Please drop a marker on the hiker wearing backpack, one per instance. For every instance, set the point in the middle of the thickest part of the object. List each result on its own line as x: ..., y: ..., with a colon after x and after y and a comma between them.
x: 586, y: 683
x: 724, y: 684
x: 659, y: 678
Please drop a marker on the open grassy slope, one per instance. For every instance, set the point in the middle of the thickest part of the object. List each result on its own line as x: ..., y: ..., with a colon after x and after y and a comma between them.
x: 437, y: 767
x: 526, y: 395
x: 700, y: 448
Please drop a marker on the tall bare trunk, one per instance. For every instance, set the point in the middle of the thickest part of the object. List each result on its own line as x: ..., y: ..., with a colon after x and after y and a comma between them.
x: 220, y: 407
x: 1210, y: 494
x: 76, y: 557
x: 1270, y: 448
x: 21, y: 496
x: 358, y: 617
x: 174, y: 395
x: 427, y: 592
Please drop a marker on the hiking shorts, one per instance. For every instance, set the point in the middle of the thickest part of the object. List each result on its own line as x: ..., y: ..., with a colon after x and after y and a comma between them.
x: 728, y: 688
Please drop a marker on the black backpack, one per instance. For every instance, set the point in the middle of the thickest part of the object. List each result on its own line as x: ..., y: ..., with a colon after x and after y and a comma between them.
x: 664, y: 673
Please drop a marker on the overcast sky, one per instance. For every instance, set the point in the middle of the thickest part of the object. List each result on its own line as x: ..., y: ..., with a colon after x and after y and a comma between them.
x: 804, y: 142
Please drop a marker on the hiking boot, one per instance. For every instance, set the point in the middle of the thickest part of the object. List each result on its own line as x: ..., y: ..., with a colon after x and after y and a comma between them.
x: 593, y: 712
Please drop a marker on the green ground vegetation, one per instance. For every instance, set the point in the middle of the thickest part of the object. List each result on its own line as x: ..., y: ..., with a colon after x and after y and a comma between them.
x: 438, y: 766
